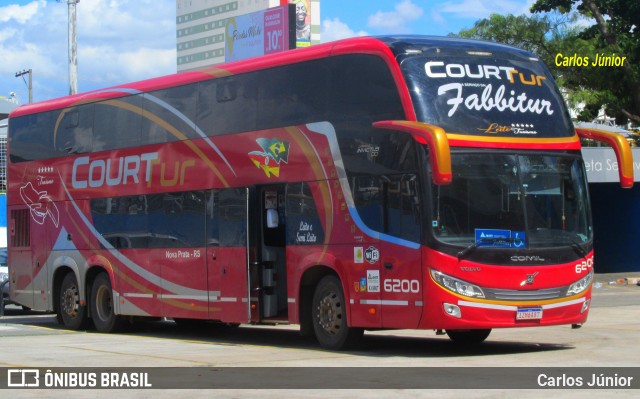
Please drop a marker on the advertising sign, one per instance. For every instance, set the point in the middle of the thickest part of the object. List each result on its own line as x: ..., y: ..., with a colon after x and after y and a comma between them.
x: 259, y: 33
x: 602, y: 166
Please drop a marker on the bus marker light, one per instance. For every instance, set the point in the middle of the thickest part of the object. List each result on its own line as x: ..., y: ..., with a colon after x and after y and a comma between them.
x: 372, y: 311
x: 585, y: 306
x: 452, y: 310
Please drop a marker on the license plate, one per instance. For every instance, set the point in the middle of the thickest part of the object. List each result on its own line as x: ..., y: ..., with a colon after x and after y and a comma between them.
x: 529, y: 314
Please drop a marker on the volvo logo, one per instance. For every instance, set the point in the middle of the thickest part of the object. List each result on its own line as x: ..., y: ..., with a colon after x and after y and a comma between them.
x: 530, y: 279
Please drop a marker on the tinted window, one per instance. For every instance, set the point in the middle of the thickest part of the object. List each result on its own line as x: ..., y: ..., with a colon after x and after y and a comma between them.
x: 293, y: 94
x: 349, y: 91
x: 118, y: 123
x: 488, y: 95
x: 362, y: 87
x: 368, y: 200
x: 31, y: 137
x: 303, y: 222
x: 227, y: 217
x: 377, y: 151
x: 389, y: 204
x: 74, y: 130
x: 228, y: 105
x: 171, y: 220
x: 169, y: 114
x: 402, y: 218
x: 385, y: 182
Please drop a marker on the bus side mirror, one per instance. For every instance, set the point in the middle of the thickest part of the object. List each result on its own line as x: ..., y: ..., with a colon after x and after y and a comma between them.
x: 435, y: 138
x: 621, y: 148
x: 272, y: 219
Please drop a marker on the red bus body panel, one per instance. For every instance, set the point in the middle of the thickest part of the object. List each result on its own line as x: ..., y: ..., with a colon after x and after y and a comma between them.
x: 386, y: 284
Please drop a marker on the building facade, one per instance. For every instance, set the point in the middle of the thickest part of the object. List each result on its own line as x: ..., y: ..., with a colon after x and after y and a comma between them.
x: 201, y: 37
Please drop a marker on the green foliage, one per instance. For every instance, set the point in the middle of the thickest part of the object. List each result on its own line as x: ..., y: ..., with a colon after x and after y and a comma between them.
x: 557, y: 30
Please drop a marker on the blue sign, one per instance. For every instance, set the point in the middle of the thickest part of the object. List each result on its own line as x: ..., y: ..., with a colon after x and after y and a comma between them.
x: 493, y: 238
x: 518, y: 239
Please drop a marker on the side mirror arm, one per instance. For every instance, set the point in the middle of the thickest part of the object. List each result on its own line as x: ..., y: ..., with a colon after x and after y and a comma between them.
x: 436, y: 139
x: 621, y: 148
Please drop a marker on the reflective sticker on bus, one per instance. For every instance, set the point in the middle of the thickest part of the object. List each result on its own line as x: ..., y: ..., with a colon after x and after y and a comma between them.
x: 373, y: 280
x: 358, y: 255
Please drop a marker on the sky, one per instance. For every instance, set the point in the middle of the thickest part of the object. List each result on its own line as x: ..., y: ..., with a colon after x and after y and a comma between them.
x: 121, y: 41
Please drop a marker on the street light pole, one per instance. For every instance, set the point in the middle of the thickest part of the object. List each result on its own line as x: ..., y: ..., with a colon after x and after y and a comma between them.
x: 30, y: 84
x: 73, y: 49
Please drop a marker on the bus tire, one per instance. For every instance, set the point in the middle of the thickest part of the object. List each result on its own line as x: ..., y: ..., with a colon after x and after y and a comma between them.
x: 329, y: 316
x: 71, y: 313
x: 468, y: 337
x: 102, y: 309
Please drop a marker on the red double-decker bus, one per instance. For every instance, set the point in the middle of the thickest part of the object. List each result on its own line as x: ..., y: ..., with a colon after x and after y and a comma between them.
x: 393, y: 182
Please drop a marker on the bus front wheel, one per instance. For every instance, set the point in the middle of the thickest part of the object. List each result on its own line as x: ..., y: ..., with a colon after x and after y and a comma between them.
x: 468, y: 337
x: 329, y: 316
x: 71, y: 313
x: 102, y: 312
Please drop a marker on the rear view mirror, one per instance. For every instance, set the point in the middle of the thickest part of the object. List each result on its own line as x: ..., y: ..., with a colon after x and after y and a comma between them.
x: 620, y: 147
x: 433, y: 136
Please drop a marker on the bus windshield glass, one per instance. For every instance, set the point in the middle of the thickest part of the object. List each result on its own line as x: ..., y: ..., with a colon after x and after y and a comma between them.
x: 533, y: 200
x: 486, y: 93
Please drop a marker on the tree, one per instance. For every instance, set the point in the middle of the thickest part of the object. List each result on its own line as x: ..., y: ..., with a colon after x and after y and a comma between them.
x: 552, y: 33
x: 616, y: 30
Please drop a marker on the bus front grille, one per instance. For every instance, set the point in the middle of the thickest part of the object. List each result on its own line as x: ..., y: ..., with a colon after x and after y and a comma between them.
x: 524, y: 295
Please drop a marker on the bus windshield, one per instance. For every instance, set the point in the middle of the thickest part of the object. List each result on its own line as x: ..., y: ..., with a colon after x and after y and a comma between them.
x: 485, y: 93
x: 517, y: 201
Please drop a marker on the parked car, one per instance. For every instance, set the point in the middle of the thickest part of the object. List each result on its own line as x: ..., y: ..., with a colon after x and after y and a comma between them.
x: 4, y: 276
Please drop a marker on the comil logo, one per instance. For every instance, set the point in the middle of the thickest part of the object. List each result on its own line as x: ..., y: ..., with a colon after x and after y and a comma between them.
x: 23, y: 378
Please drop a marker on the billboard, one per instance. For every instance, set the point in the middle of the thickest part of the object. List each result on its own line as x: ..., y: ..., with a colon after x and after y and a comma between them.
x: 303, y: 22
x: 602, y: 166
x: 201, y: 37
x: 259, y: 33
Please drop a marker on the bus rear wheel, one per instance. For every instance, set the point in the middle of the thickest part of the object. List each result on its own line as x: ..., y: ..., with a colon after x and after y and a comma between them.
x: 71, y: 313
x: 102, y: 309
x: 329, y: 316
x: 468, y: 337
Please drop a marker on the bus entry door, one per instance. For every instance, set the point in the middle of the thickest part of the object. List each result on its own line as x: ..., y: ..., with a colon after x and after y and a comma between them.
x: 267, y: 277
x: 227, y: 261
x: 401, y: 275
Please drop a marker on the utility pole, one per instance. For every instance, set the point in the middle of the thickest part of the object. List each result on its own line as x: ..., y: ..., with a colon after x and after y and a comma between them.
x: 30, y: 84
x: 73, y: 49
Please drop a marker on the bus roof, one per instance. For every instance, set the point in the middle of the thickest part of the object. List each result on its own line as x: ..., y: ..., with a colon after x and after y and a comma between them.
x: 405, y: 43
x: 390, y: 46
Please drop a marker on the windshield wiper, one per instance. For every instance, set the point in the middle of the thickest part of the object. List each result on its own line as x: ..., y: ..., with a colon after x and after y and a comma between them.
x: 578, y: 248
x: 571, y: 241
x: 487, y: 240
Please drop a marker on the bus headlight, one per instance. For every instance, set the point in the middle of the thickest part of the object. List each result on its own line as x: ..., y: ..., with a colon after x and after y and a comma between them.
x: 580, y: 285
x: 456, y: 285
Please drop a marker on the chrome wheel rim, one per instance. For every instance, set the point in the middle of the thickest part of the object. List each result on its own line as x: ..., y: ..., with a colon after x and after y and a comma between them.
x: 330, y: 313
